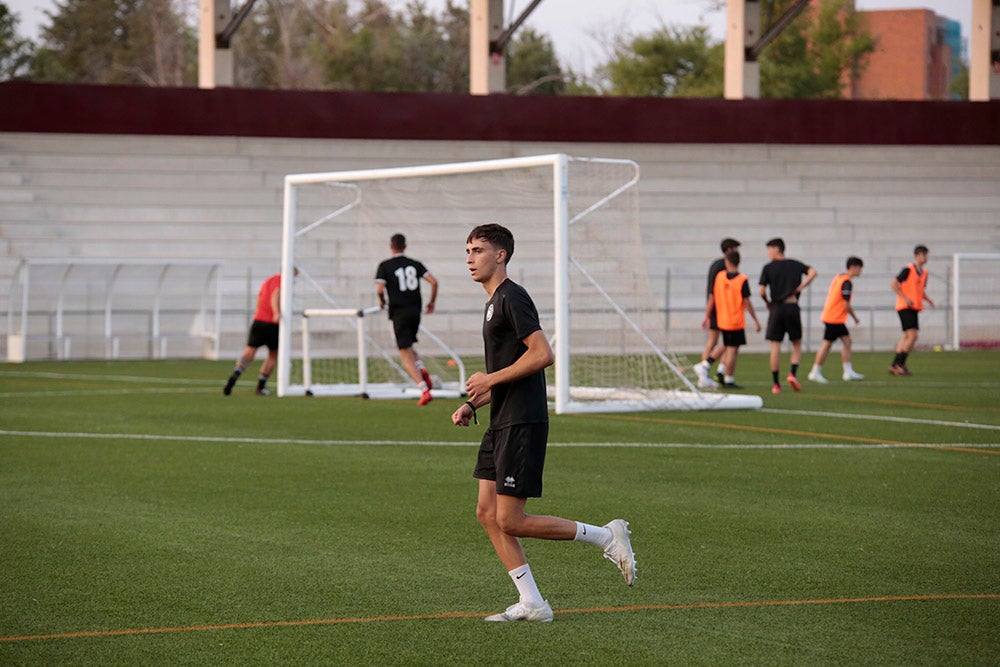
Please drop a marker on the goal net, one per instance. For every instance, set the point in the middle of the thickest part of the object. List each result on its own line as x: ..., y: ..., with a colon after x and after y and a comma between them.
x: 975, y: 300
x: 578, y: 251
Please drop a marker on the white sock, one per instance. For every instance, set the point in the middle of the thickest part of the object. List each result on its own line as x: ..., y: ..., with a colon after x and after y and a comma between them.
x: 730, y: 379
x: 593, y: 534
x: 848, y: 368
x: 721, y: 369
x: 817, y: 369
x: 526, y: 587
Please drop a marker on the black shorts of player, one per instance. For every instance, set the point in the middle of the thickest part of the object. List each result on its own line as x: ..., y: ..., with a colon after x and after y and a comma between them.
x: 263, y: 333
x: 734, y: 338
x: 784, y: 318
x: 832, y: 332
x: 908, y: 319
x: 514, y: 457
x: 405, y: 324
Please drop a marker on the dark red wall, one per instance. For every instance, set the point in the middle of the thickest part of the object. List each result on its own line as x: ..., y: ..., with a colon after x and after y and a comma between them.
x: 32, y: 107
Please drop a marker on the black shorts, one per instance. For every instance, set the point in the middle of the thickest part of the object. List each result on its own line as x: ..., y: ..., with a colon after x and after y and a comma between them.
x: 734, y: 338
x: 784, y: 318
x: 405, y: 324
x: 908, y: 319
x: 514, y: 457
x: 834, y: 331
x: 263, y: 333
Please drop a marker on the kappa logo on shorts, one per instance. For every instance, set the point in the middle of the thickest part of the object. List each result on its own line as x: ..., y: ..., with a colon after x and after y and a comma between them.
x: 509, y: 482
x: 489, y: 313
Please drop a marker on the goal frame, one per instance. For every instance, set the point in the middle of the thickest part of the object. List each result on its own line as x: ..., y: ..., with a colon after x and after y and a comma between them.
x: 558, y: 164
x: 956, y: 300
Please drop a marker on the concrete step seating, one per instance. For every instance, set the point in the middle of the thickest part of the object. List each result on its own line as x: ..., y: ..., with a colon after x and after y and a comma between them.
x: 66, y: 196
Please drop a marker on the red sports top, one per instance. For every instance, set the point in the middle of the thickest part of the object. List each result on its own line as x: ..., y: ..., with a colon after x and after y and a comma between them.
x: 264, y: 312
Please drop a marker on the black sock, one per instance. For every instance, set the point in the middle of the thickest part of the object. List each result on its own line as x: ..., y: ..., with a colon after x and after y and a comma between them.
x: 898, y: 359
x: 902, y: 358
x: 795, y: 369
x: 262, y: 380
x: 774, y: 374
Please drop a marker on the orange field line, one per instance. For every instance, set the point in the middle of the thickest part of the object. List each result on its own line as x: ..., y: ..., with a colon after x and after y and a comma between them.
x: 455, y: 614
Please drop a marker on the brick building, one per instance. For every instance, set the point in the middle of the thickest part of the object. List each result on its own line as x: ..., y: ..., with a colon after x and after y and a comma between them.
x: 914, y: 57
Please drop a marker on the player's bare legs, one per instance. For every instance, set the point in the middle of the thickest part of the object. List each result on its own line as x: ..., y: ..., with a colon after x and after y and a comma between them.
x: 409, y: 358
x: 907, y: 341
x: 845, y: 352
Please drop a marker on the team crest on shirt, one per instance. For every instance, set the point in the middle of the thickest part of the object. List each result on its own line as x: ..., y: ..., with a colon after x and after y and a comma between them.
x: 489, y: 313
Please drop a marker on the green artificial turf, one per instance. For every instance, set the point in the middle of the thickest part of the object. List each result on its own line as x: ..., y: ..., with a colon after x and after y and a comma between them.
x: 147, y: 519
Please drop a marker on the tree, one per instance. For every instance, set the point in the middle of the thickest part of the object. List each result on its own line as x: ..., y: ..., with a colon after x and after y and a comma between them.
x: 818, y: 55
x: 667, y: 62
x: 144, y: 42
x: 532, y: 65
x: 16, y: 54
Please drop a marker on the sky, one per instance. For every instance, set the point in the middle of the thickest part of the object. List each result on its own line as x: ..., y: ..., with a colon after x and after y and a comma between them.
x: 582, y: 30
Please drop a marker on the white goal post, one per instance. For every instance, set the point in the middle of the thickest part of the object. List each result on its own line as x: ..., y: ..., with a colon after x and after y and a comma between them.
x: 975, y: 299
x: 578, y: 250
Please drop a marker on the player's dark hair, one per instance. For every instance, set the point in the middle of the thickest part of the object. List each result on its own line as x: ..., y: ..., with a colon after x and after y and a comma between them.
x: 734, y: 257
x: 398, y: 242
x: 497, y: 235
x: 776, y: 242
x: 854, y: 261
x: 920, y: 249
x: 728, y: 244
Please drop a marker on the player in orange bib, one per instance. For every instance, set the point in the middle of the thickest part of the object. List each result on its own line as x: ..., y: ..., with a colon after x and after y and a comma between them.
x: 910, y: 288
x: 730, y: 299
x: 835, y: 312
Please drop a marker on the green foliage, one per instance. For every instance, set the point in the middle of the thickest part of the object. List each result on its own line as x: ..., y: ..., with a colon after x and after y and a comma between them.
x: 532, y: 65
x: 816, y: 56
x: 143, y: 42
x: 16, y: 54
x: 137, y: 499
x: 667, y: 62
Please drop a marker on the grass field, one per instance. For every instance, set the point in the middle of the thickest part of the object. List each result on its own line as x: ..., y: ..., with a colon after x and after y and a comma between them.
x: 147, y: 519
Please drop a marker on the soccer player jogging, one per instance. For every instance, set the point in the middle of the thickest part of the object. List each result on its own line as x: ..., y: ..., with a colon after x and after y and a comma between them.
x: 835, y: 312
x: 263, y: 331
x: 399, y: 277
x: 713, y: 350
x: 512, y: 453
x: 909, y: 285
x: 784, y: 278
x: 730, y: 299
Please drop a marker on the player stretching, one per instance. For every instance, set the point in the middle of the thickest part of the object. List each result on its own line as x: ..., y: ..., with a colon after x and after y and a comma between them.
x: 512, y: 453
x: 263, y: 331
x: 835, y: 312
x: 400, y: 277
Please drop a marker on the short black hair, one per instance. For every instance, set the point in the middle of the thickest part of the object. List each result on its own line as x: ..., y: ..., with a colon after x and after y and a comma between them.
x: 854, y: 261
x: 734, y: 257
x: 920, y: 249
x: 498, y: 236
x: 728, y: 244
x: 398, y: 242
x: 776, y: 242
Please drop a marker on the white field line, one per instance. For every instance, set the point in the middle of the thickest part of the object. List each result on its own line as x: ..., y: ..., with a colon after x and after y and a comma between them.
x: 884, y: 418
x: 468, y: 443
x: 140, y: 379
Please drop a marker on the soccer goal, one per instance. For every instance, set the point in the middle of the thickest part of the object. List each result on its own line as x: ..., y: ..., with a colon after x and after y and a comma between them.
x: 578, y: 251
x: 975, y: 300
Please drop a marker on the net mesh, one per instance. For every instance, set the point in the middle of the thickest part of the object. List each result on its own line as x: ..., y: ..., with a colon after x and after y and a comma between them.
x: 619, y: 348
